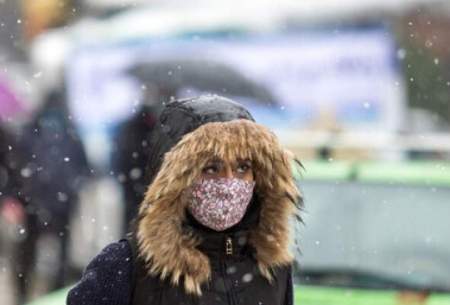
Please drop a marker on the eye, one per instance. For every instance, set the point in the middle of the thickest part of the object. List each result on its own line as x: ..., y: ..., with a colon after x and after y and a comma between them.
x: 244, y: 167
x: 211, y: 169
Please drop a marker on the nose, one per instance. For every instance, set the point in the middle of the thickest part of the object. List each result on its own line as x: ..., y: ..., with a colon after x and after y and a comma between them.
x: 227, y: 172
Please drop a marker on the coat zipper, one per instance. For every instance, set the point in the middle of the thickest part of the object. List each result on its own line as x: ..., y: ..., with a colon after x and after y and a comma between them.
x: 229, y: 246
x: 228, y: 251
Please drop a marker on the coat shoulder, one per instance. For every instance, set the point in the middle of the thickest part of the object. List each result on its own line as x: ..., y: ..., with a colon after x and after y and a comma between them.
x: 107, y: 278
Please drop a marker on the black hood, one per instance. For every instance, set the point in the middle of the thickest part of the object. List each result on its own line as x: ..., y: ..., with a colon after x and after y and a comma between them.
x: 172, y: 245
x: 183, y: 116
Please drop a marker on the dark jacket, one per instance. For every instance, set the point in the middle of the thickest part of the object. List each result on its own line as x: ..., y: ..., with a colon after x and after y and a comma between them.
x: 9, y: 165
x: 172, y: 259
x: 130, y: 153
x: 55, y: 165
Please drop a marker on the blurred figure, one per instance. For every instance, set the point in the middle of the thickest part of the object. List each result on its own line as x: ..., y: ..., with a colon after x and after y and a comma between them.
x: 12, y: 213
x: 6, y: 172
x: 52, y: 173
x: 129, y: 157
x: 10, y: 207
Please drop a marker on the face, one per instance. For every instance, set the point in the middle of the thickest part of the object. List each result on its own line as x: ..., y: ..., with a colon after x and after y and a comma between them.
x: 217, y: 168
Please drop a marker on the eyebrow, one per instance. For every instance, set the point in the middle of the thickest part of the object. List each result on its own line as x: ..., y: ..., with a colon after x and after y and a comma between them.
x: 244, y: 160
x: 214, y: 161
x: 217, y: 160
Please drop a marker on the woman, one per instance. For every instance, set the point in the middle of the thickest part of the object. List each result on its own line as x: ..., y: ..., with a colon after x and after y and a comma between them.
x: 213, y: 227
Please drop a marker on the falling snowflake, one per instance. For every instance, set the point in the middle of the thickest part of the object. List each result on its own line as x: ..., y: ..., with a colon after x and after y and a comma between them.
x: 248, y: 277
x: 135, y: 173
x: 37, y: 74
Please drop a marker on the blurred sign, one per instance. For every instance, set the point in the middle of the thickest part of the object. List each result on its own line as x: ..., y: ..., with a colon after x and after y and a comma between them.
x: 319, y: 80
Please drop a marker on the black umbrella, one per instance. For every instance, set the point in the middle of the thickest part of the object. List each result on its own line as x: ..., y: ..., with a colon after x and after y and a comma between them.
x: 203, y: 75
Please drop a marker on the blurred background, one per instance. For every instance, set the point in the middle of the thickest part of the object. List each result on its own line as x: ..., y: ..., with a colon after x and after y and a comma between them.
x: 358, y: 90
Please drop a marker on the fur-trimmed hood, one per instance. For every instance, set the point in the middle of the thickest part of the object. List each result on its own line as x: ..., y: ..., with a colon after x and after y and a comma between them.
x: 172, y: 252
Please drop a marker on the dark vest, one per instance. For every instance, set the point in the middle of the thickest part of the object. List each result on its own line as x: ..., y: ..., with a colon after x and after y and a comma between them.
x: 235, y: 278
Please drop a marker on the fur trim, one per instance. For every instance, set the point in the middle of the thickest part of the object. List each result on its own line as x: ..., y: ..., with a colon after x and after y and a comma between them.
x: 170, y: 251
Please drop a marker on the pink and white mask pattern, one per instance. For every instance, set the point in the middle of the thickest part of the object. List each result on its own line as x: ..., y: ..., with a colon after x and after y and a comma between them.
x: 220, y: 203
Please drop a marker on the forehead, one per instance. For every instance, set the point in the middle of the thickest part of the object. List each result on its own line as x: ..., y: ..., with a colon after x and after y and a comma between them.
x: 235, y: 159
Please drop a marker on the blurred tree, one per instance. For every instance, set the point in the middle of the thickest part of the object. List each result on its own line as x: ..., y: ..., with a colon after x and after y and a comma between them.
x: 427, y: 82
x: 425, y: 53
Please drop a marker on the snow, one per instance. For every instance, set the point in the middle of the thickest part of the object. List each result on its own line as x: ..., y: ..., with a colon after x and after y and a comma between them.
x: 401, y: 54
x: 135, y: 173
x: 231, y: 270
x: 248, y: 277
x: 37, y: 74
x: 26, y: 172
x: 62, y: 197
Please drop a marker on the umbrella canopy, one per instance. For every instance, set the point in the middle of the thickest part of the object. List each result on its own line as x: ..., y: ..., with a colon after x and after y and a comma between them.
x: 202, y: 75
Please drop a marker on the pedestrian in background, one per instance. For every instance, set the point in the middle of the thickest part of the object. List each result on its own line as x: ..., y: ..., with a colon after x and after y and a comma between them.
x: 129, y: 156
x: 9, y: 180
x: 53, y: 168
x: 12, y: 209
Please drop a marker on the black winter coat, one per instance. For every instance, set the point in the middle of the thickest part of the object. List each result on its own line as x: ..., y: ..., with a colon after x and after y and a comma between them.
x: 235, y: 279
x: 114, y: 277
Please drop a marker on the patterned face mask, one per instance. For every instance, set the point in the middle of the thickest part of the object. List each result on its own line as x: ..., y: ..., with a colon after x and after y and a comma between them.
x: 220, y: 203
